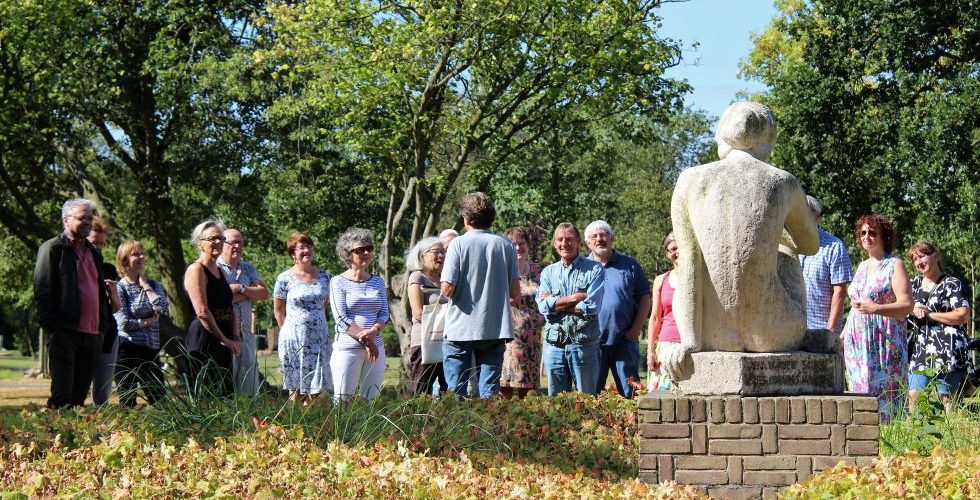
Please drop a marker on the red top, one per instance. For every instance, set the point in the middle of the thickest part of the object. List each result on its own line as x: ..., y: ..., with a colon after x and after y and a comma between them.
x: 668, y: 328
x: 88, y: 290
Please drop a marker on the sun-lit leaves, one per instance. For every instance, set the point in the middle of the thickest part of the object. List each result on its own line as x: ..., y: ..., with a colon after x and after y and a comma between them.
x: 941, y: 475
x: 539, y: 447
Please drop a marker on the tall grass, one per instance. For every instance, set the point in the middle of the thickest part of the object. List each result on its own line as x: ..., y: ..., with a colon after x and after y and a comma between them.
x: 929, y: 426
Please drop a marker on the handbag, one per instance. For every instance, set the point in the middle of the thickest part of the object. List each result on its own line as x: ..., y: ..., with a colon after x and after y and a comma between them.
x: 433, y: 329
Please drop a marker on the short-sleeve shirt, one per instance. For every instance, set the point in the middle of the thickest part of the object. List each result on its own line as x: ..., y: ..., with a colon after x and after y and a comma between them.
x: 828, y: 267
x: 934, y: 344
x: 430, y: 294
x: 245, y: 275
x: 625, y: 284
x: 481, y: 265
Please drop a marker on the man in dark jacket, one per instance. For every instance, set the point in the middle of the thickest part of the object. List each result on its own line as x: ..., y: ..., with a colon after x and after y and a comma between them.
x: 72, y: 306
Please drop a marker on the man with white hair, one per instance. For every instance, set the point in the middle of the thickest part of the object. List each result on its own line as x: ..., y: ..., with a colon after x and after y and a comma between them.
x: 73, y: 308
x: 826, y: 275
x: 625, y: 306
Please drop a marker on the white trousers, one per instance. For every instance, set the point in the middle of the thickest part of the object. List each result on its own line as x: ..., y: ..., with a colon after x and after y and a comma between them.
x: 354, y: 374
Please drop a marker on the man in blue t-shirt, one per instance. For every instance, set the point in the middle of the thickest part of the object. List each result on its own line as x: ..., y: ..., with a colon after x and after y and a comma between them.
x: 480, y: 278
x: 625, y: 306
x: 826, y: 274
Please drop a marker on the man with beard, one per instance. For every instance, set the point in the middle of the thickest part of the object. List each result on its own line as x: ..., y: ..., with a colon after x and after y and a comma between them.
x: 625, y: 306
x: 70, y: 291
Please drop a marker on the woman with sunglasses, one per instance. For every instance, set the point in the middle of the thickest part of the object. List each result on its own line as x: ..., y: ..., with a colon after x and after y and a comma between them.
x: 938, y: 338
x: 299, y: 303
x: 875, y: 351
x: 211, y: 338
x: 424, y: 263
x: 359, y: 304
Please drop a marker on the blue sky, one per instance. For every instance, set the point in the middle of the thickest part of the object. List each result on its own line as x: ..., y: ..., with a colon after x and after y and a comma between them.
x: 722, y: 28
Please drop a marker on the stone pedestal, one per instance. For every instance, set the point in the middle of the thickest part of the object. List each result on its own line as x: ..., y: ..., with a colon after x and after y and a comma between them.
x: 764, y: 374
x: 752, y: 447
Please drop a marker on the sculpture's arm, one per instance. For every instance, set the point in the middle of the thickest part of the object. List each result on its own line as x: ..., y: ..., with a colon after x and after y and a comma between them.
x: 800, y: 224
x: 687, y: 298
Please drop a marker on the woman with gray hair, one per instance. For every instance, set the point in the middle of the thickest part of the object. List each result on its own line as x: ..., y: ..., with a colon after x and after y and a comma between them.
x: 424, y: 262
x: 359, y: 304
x: 211, y: 338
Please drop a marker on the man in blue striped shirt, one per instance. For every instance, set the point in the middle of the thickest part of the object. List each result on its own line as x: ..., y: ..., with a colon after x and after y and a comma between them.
x: 826, y: 274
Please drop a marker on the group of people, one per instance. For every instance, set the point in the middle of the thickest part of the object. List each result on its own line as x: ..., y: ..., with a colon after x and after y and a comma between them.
x: 899, y: 334
x: 581, y: 317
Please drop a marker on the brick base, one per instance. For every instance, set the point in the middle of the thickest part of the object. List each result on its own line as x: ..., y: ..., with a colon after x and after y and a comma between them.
x: 752, y: 447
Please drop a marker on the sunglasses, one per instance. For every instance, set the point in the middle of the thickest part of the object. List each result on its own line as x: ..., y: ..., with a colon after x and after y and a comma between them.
x: 869, y: 232
x: 363, y: 250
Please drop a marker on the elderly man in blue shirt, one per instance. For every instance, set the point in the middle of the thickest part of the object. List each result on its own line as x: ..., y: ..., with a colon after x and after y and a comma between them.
x: 570, y: 297
x: 625, y: 307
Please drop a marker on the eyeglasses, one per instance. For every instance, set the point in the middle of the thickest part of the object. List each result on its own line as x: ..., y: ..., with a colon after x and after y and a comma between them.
x: 436, y: 250
x: 869, y: 232
x: 214, y: 239
x: 235, y: 243
x: 363, y: 250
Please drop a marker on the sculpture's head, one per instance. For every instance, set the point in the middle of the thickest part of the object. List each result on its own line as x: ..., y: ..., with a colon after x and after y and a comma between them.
x: 749, y: 127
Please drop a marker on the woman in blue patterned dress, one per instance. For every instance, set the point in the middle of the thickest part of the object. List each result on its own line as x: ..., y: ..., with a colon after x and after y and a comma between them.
x: 875, y: 351
x: 937, y: 327
x: 359, y: 303
x: 299, y: 303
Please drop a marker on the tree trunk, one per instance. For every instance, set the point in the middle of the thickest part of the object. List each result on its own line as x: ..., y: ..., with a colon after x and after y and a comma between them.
x: 169, y: 250
x: 400, y: 312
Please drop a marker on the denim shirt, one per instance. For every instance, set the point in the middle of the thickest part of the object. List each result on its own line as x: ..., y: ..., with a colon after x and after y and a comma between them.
x: 558, y: 280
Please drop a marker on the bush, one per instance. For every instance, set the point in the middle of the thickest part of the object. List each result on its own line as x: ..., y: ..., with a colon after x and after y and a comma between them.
x: 390, y: 340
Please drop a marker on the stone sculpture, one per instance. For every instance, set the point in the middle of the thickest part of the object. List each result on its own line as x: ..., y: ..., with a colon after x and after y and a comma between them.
x: 739, y: 224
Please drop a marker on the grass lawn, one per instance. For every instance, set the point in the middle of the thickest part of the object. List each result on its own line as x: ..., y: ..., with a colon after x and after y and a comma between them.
x: 269, y: 366
x: 12, y: 365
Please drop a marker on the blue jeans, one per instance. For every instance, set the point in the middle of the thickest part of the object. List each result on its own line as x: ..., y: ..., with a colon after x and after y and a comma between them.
x: 946, y: 383
x: 574, y: 363
x: 458, y: 364
x: 623, y: 358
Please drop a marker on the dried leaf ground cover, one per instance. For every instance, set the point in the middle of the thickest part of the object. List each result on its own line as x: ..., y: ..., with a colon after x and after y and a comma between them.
x: 944, y: 474
x: 571, y: 446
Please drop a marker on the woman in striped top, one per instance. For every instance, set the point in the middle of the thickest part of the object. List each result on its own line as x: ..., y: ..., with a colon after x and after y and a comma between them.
x: 359, y: 304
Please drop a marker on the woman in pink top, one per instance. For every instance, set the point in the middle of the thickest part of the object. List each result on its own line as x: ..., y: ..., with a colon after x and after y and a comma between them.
x: 662, y: 326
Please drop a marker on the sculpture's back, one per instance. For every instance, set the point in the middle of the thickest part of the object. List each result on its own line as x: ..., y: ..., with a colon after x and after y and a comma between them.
x: 738, y: 291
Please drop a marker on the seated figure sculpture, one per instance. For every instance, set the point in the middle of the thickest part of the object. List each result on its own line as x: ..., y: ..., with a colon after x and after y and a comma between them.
x: 739, y: 224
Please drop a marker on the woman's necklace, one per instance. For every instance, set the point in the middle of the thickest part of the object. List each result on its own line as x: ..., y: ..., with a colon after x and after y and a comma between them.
x: 524, y: 270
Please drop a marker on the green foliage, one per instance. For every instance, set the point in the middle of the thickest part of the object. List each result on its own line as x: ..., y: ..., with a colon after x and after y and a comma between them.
x: 422, y: 98
x: 878, y: 105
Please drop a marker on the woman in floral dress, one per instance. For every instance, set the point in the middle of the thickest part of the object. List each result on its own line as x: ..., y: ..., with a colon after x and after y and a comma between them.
x: 521, y: 371
x: 299, y: 304
x: 937, y: 327
x: 875, y: 353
